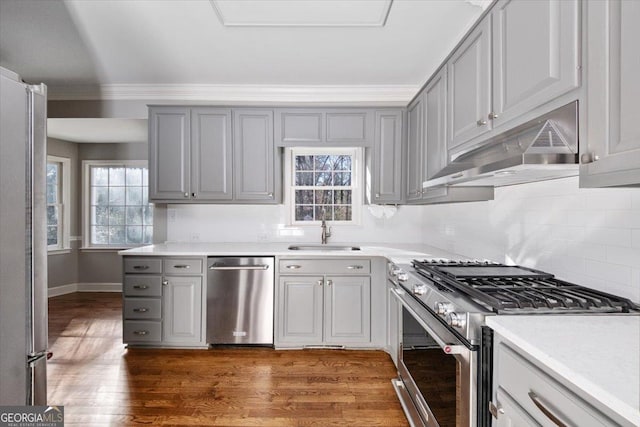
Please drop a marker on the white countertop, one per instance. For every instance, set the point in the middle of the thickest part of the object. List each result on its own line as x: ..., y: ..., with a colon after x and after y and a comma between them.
x: 598, y: 355
x: 398, y: 253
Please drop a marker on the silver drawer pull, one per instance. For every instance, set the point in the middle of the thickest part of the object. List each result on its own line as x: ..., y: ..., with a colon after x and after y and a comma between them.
x: 182, y: 266
x: 140, y: 332
x: 239, y: 267
x: 294, y: 267
x: 546, y: 411
x: 140, y: 267
x: 354, y: 267
x: 140, y: 310
x: 140, y: 287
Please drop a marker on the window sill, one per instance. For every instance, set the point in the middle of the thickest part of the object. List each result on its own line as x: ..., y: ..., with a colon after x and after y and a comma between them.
x: 59, y: 251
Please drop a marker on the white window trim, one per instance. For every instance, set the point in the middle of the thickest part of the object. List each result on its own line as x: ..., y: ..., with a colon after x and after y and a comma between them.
x: 357, y: 178
x: 64, y: 245
x: 86, y: 195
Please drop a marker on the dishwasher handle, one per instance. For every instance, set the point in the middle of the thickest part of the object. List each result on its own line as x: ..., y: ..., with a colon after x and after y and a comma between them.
x: 239, y: 267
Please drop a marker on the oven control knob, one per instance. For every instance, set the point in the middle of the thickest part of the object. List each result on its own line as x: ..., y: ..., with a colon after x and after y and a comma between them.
x: 456, y: 320
x: 402, y: 276
x: 419, y: 289
x: 443, y: 308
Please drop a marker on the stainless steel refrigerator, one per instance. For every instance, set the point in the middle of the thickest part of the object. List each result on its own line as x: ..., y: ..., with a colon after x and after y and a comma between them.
x: 23, y: 244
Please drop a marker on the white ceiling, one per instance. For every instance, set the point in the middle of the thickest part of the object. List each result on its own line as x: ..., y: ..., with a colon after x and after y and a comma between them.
x: 297, y: 51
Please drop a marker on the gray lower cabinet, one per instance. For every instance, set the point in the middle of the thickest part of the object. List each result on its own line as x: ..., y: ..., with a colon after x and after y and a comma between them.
x: 163, y: 301
x: 386, y: 171
x: 323, y: 126
x: 525, y: 393
x: 254, y: 164
x: 326, y: 302
x: 611, y: 145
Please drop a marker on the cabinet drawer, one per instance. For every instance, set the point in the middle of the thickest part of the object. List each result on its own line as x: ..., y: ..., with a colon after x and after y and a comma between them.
x: 143, y: 265
x: 141, y: 331
x: 324, y: 266
x: 142, y: 308
x: 182, y: 266
x: 136, y: 285
x: 537, y: 392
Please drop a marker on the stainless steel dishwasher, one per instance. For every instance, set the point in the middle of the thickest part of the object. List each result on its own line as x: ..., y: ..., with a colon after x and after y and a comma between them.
x: 240, y: 300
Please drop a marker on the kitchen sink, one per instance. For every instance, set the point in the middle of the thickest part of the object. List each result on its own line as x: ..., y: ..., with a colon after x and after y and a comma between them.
x: 323, y: 248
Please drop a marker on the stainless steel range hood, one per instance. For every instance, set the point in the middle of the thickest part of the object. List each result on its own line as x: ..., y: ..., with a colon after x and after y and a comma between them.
x: 544, y: 148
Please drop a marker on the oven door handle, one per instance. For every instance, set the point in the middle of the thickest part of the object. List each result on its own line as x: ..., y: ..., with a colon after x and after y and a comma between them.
x: 447, y: 348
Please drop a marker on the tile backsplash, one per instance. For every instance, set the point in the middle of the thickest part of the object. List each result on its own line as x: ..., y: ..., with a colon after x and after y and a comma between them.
x: 586, y: 236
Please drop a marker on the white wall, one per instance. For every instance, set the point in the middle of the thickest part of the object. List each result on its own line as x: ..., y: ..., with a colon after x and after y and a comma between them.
x: 255, y: 223
x: 587, y: 236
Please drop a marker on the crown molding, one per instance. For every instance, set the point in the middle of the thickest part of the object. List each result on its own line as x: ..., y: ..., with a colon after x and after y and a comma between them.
x: 356, y: 94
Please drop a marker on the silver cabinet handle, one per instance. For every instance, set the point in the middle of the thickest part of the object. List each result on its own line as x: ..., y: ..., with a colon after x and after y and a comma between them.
x: 143, y: 287
x: 239, y: 267
x: 589, y: 158
x: 320, y: 282
x: 140, y: 310
x: 492, y: 116
x: 193, y: 195
x: 270, y: 195
x: 354, y: 267
x: 293, y: 267
x: 141, y: 332
x: 186, y: 194
x: 481, y: 122
x: 546, y: 411
x: 165, y: 282
x: 329, y: 282
x: 458, y: 175
x: 182, y: 266
x: 140, y: 267
x: 377, y: 195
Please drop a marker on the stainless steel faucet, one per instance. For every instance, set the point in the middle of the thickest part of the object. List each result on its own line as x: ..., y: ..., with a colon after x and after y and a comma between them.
x: 325, y: 233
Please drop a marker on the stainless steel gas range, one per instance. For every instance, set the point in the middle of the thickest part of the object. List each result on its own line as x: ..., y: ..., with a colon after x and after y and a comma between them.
x: 445, y: 350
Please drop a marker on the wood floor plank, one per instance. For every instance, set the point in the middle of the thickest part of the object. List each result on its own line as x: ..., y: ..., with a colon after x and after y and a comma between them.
x: 101, y: 383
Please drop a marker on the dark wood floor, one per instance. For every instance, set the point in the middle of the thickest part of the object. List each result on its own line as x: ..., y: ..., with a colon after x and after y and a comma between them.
x: 99, y: 382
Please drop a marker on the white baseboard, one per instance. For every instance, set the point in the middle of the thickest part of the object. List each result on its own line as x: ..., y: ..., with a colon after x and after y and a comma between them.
x: 84, y: 287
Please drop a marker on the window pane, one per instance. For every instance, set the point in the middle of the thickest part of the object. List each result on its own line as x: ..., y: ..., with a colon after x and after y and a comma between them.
x: 134, y: 216
x: 148, y: 234
x: 342, y: 197
x: 134, y: 176
x: 100, y: 235
x: 52, y: 173
x: 145, y: 195
x: 304, y: 197
x: 134, y: 195
x: 323, y: 197
x: 324, y: 163
x: 99, y: 215
x: 116, y: 236
x: 52, y: 215
x: 342, y: 178
x: 342, y: 163
x: 52, y: 193
x: 148, y: 215
x: 304, y: 163
x: 323, y: 178
x: 304, y: 178
x: 100, y: 196
x: 52, y: 235
x: 134, y: 234
x: 342, y: 213
x: 99, y: 176
x: 145, y: 176
x: 304, y: 213
x: 324, y: 212
x: 116, y: 215
x: 116, y: 196
x: 116, y: 176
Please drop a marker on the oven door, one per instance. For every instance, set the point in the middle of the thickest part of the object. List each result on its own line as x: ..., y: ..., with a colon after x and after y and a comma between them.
x: 436, y: 369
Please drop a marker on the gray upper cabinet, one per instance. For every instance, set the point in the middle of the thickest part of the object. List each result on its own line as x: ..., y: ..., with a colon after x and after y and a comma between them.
x: 254, y: 164
x: 611, y: 147
x: 387, y: 157
x: 469, y: 72
x: 211, y: 154
x: 319, y: 127
x: 535, y: 54
x: 415, y: 144
x: 169, y: 153
x: 436, y: 124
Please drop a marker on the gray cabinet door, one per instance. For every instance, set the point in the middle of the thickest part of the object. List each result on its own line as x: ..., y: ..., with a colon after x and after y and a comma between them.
x: 254, y: 156
x: 182, y: 310
x: 415, y: 124
x: 436, y: 123
x: 347, y: 317
x: 211, y: 154
x: 299, y: 126
x: 611, y: 147
x: 469, y: 92
x: 535, y: 54
x: 169, y: 153
x: 387, y: 157
x: 349, y: 126
x: 300, y: 309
